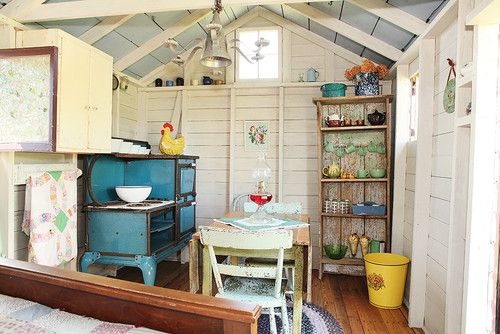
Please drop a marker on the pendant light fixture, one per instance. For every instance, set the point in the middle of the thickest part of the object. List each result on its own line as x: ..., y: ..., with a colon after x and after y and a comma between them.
x: 215, y: 54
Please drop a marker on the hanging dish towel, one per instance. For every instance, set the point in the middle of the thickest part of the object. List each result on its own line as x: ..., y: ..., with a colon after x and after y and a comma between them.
x: 50, y: 217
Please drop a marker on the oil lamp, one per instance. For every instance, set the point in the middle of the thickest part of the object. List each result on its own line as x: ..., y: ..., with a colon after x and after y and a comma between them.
x: 261, y: 175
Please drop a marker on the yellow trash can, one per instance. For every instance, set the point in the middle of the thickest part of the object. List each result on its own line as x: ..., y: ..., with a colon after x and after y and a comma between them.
x: 386, y: 278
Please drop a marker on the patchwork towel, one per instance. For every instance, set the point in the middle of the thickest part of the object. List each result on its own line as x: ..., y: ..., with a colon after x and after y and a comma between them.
x: 50, y: 217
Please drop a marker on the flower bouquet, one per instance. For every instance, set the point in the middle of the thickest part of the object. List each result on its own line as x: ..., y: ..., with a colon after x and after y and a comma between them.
x: 366, y: 77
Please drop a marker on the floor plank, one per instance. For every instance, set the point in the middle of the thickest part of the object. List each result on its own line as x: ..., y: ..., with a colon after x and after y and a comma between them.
x: 346, y: 297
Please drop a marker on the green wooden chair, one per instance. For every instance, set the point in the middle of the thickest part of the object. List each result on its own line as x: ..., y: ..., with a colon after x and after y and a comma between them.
x: 260, y: 285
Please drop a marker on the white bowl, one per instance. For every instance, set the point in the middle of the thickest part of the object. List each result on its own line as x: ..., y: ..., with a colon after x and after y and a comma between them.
x: 125, y: 147
x: 142, y: 150
x: 133, y: 194
x: 147, y: 151
x: 115, y: 145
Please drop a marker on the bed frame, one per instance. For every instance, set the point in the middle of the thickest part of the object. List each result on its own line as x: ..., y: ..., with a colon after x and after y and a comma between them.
x: 125, y: 302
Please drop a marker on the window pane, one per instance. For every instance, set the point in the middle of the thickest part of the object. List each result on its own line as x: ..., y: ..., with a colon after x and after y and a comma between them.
x: 268, y: 67
x: 247, y: 70
x: 272, y: 37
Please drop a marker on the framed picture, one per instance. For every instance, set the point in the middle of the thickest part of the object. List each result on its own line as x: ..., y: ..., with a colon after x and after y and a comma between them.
x: 256, y: 135
x: 28, y: 77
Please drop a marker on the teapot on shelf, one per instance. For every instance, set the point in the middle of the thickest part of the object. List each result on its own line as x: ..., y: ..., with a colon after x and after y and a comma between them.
x: 376, y: 118
x: 312, y: 75
x: 333, y: 171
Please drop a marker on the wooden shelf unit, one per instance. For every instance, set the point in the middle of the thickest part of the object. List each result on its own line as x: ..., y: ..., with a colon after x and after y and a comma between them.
x: 336, y: 227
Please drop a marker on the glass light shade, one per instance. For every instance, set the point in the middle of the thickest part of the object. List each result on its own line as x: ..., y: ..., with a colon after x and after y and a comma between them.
x: 261, y: 174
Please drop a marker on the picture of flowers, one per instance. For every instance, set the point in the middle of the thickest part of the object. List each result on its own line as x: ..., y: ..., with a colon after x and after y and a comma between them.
x: 256, y: 135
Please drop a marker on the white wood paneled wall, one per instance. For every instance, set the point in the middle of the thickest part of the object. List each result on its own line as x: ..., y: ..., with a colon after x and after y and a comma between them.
x: 128, y: 122
x: 442, y: 151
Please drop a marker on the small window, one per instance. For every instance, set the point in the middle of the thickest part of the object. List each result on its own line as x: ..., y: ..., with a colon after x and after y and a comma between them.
x: 414, y: 108
x: 267, y: 68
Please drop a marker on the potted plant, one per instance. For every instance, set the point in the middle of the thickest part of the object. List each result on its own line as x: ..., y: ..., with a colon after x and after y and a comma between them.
x: 366, y: 77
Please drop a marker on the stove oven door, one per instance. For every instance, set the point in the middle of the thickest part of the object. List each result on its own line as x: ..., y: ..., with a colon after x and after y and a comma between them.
x: 186, y: 181
x: 186, y: 218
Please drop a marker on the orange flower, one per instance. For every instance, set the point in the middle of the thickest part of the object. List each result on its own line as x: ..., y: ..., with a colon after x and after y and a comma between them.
x: 350, y: 74
x: 382, y: 71
x: 368, y: 66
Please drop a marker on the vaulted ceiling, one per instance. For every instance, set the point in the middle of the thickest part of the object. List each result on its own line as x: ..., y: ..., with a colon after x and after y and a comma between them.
x: 376, y: 29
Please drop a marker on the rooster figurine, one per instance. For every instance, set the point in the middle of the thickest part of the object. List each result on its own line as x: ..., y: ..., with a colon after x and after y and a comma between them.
x: 168, y: 145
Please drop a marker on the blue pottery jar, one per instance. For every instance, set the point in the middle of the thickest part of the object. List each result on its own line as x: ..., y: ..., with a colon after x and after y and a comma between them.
x: 366, y: 84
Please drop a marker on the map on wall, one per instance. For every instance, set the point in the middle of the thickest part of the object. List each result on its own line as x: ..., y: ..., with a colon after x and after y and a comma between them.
x: 25, y: 99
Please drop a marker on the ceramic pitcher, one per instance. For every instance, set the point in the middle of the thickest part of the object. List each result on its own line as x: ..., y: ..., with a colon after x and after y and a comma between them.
x: 312, y: 75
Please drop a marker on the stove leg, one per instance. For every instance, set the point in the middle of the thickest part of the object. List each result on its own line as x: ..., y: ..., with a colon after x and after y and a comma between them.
x: 87, y: 259
x: 147, y: 264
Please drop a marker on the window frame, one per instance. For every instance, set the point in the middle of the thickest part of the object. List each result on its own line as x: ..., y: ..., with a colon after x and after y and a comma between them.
x: 279, y: 79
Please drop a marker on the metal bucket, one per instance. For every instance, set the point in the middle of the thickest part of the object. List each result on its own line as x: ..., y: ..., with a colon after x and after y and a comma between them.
x: 333, y: 89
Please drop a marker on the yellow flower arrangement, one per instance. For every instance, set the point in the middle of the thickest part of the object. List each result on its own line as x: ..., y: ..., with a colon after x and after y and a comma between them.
x: 367, y: 67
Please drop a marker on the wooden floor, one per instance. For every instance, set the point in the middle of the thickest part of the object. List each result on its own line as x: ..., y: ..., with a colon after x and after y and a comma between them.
x: 343, y: 296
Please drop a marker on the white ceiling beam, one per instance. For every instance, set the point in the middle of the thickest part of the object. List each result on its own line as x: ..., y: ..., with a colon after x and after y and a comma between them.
x: 152, y: 44
x: 242, y: 20
x: 309, y: 35
x: 392, y: 14
x: 99, y: 8
x: 18, y: 8
x: 103, y: 28
x: 8, y: 21
x: 347, y: 30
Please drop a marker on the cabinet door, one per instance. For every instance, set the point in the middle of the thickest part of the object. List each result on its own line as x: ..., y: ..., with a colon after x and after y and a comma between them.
x: 73, y: 108
x: 100, y: 116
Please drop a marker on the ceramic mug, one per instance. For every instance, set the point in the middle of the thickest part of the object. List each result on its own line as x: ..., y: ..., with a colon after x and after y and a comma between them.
x: 362, y: 174
x: 329, y: 147
x: 218, y: 82
x: 374, y: 246
x: 350, y: 148
x: 381, y: 149
x: 340, y: 152
x: 169, y: 83
x: 195, y: 82
x: 372, y: 147
x: 361, y: 151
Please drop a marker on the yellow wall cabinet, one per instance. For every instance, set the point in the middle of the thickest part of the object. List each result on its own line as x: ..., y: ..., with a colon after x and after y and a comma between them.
x: 84, y: 95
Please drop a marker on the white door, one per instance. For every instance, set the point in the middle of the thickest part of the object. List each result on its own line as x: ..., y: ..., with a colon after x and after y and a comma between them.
x: 100, y: 116
x: 72, y: 114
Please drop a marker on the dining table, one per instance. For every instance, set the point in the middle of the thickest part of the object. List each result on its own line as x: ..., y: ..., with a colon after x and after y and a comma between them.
x: 301, y: 249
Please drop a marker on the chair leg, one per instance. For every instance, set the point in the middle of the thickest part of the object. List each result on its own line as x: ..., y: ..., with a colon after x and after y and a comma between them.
x: 272, y: 321
x: 284, y: 317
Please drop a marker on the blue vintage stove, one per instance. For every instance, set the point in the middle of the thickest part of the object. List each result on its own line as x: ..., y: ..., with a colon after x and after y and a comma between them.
x: 138, y: 234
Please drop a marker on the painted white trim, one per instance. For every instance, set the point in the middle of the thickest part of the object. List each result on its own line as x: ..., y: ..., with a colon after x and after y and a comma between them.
x: 402, y: 137
x: 481, y: 242
x: 422, y: 183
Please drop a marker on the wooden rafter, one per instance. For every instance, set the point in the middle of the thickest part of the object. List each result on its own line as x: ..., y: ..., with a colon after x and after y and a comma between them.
x: 347, y: 30
x: 150, y: 45
x: 392, y: 14
x: 18, y: 8
x: 103, y: 28
x: 97, y: 8
x: 8, y: 21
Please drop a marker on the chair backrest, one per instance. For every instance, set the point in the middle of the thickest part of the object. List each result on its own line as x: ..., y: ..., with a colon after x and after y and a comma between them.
x: 216, y: 238
x: 239, y: 201
x: 290, y: 208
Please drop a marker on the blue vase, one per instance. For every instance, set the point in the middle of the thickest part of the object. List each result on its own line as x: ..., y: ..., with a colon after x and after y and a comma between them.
x: 366, y: 84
